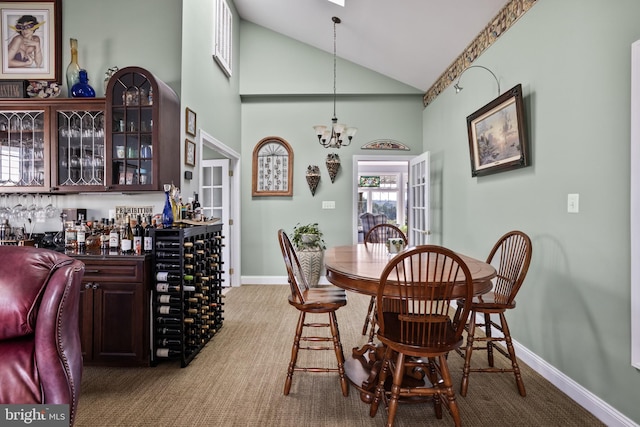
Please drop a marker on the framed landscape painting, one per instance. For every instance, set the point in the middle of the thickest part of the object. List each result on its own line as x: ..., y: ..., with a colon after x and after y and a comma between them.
x: 497, y: 135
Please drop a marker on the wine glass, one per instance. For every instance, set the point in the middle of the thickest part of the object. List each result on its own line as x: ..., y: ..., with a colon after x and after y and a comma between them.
x: 50, y: 210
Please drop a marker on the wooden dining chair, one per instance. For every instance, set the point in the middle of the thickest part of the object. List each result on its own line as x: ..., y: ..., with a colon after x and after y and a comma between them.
x: 511, y: 255
x: 419, y: 332
x: 306, y: 300
x: 379, y: 233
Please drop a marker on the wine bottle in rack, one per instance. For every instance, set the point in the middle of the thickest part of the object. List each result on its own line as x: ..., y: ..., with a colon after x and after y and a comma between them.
x: 168, y: 352
x: 168, y: 342
x: 169, y: 331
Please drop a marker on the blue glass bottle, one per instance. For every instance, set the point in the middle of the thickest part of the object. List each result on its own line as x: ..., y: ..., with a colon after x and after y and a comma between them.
x: 82, y: 88
x: 167, y: 212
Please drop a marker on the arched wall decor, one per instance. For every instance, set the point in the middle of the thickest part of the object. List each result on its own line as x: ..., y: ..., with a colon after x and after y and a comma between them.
x: 272, y: 168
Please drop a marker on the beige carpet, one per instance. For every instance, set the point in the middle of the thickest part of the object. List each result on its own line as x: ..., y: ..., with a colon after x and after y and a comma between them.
x: 238, y: 378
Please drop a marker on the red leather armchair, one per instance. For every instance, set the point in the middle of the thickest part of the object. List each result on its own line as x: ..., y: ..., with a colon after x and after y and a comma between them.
x: 41, y: 360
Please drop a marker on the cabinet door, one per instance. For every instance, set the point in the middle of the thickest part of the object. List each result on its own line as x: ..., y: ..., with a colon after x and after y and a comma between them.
x: 78, y: 158
x: 24, y: 150
x: 86, y: 321
x: 119, y: 323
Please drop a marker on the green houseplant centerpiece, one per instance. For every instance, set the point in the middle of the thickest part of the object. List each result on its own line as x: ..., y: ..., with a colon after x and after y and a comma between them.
x: 310, y: 247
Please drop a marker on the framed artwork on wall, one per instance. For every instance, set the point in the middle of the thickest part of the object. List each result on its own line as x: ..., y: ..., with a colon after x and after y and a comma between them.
x: 497, y: 135
x: 189, y: 153
x: 190, y: 122
x: 31, y: 40
x: 272, y: 173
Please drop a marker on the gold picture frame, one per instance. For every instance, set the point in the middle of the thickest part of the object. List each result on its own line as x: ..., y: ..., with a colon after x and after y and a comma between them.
x: 272, y: 173
x: 189, y: 152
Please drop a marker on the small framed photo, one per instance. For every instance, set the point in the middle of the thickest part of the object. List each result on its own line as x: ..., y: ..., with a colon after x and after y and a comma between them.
x: 497, y: 135
x: 31, y: 40
x: 190, y: 121
x: 189, y: 152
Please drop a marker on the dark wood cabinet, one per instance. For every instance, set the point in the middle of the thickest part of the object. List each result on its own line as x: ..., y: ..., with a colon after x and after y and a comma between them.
x: 143, y: 132
x: 114, y: 313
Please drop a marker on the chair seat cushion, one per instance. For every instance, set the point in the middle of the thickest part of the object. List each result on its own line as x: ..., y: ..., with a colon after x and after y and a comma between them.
x: 18, y: 373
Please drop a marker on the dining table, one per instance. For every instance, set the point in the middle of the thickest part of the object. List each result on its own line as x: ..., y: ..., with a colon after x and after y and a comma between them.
x: 358, y: 268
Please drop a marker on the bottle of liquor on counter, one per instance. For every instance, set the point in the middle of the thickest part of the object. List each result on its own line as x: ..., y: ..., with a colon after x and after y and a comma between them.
x: 114, y: 237
x: 147, y: 240
x: 70, y: 236
x: 81, y: 233
x: 126, y: 238
x: 197, y: 209
x: 137, y: 236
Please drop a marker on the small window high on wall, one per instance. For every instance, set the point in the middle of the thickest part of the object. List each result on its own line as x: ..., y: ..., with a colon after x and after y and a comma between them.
x: 222, y: 36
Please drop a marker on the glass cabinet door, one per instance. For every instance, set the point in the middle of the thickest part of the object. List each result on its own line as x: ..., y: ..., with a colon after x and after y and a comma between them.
x: 132, y: 130
x: 80, y: 149
x: 23, y: 161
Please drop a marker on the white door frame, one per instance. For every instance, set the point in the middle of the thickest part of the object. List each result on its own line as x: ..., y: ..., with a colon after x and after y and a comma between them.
x: 354, y: 196
x: 206, y: 140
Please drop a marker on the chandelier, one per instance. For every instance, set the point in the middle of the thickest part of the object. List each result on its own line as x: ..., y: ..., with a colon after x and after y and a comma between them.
x: 334, y: 136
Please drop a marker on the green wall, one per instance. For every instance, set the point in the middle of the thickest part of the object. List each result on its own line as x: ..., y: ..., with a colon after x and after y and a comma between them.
x: 573, y: 60
x: 378, y: 106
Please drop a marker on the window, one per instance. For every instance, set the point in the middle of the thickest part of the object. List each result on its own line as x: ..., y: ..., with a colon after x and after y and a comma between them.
x: 388, y: 198
x: 222, y: 36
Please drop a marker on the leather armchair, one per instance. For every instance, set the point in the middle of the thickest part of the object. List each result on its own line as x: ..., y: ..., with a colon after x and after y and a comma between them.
x: 41, y: 359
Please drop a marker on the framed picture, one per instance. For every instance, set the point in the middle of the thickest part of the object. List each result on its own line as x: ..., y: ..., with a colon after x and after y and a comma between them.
x: 497, y: 135
x: 272, y: 173
x: 31, y: 40
x: 190, y: 121
x: 189, y: 152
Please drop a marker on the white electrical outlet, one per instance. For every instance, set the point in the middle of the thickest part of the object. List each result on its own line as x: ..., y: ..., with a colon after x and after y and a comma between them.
x: 573, y: 203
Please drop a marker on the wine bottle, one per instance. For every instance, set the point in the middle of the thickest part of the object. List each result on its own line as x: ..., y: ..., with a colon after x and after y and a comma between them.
x: 167, y: 244
x: 173, y: 320
x: 166, y: 254
x: 167, y: 342
x: 169, y: 299
x: 126, y: 238
x: 147, y: 239
x: 167, y: 309
x: 169, y: 331
x: 167, y: 352
x: 165, y: 276
x: 166, y: 287
x: 73, y: 69
x: 197, y: 209
x: 137, y: 236
x: 167, y: 266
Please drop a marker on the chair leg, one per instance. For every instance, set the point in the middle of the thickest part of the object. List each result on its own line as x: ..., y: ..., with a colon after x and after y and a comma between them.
x: 373, y: 409
x: 464, y: 385
x: 398, y: 374
x: 512, y: 355
x: 294, y: 353
x: 337, y: 346
x: 447, y: 390
x: 487, y: 331
x: 369, y: 314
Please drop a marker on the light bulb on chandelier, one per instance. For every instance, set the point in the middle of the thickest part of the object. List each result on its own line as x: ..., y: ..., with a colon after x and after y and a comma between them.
x: 337, y: 135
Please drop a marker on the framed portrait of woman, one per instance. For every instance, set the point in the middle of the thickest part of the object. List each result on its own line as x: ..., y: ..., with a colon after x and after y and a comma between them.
x: 31, y: 40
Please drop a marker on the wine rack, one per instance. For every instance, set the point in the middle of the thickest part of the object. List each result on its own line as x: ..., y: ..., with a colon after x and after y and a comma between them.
x: 187, y: 295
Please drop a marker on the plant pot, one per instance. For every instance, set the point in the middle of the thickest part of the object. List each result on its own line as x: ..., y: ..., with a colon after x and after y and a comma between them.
x: 311, y: 263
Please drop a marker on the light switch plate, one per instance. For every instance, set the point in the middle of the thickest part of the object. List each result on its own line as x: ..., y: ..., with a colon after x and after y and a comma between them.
x: 328, y: 204
x: 573, y: 203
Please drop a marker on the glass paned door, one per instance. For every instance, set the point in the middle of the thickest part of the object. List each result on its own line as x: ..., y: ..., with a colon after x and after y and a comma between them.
x: 22, y: 149
x: 80, y: 148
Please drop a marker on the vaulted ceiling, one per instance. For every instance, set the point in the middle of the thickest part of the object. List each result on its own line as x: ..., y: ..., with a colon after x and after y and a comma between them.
x: 412, y: 41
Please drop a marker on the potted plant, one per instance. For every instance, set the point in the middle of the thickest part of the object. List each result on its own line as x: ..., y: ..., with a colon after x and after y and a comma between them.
x: 309, y: 245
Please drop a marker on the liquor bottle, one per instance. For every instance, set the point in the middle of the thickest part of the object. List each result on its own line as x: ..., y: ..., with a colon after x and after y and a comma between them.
x: 104, y: 235
x: 147, y: 239
x: 137, y: 236
x: 114, y: 237
x: 167, y: 211
x: 197, y: 209
x: 81, y: 233
x: 126, y: 238
x: 70, y: 236
x: 167, y: 352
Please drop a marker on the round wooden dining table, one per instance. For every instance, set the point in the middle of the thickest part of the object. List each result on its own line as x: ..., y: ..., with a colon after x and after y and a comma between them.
x: 358, y: 268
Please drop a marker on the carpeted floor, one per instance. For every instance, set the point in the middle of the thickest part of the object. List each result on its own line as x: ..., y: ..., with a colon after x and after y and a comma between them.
x: 238, y: 379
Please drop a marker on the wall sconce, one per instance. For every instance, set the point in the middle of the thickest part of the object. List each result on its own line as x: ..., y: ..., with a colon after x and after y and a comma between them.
x: 457, y: 86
